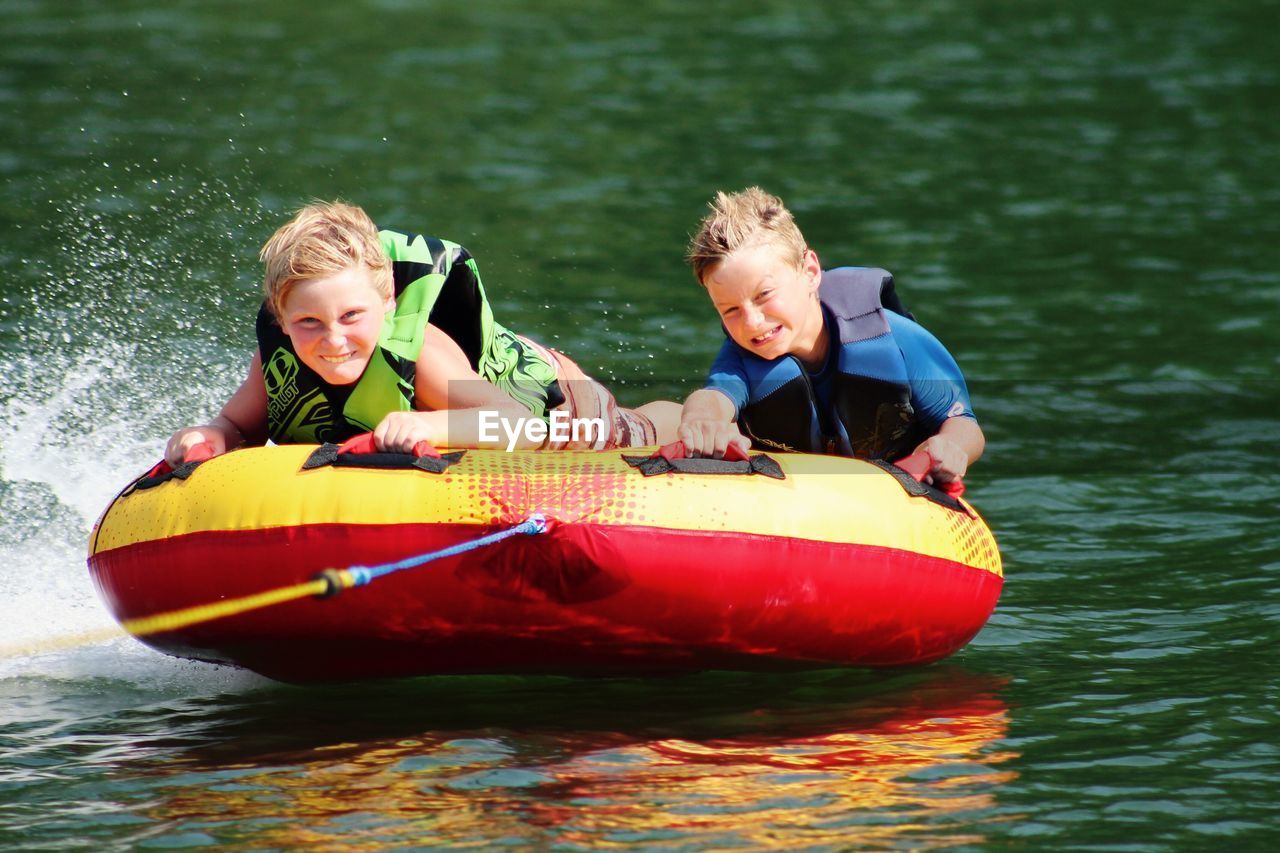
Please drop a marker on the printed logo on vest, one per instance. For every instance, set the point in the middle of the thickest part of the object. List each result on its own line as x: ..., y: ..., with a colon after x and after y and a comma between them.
x: 316, y: 412
x: 311, y: 419
x: 280, y: 375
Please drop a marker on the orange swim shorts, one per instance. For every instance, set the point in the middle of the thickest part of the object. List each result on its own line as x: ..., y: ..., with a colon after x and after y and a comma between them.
x: 587, y: 399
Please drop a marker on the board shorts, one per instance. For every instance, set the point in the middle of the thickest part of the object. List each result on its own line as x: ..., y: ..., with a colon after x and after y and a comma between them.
x: 587, y: 399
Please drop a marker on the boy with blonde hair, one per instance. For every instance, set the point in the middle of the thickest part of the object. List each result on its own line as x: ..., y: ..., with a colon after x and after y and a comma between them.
x: 818, y: 361
x: 364, y: 330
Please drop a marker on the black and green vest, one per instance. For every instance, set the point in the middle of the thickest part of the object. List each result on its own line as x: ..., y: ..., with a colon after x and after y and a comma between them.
x: 436, y: 282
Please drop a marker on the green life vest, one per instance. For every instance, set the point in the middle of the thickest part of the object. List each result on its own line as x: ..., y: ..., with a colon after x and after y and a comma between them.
x: 436, y: 282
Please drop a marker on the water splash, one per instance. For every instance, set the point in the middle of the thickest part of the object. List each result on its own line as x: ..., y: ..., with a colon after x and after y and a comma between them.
x: 104, y: 374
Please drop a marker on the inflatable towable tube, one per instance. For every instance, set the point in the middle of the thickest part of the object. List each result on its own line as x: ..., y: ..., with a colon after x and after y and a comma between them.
x: 837, y: 562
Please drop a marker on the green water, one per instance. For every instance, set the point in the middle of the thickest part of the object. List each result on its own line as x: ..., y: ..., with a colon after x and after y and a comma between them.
x: 1080, y: 199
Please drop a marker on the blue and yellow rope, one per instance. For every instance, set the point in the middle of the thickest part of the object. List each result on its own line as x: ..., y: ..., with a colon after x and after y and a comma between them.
x: 327, y: 584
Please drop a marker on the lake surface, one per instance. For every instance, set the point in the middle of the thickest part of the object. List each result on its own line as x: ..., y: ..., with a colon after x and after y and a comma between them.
x: 1081, y: 201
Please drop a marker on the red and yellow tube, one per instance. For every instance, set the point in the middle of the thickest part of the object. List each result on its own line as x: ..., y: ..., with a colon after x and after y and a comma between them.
x: 836, y: 564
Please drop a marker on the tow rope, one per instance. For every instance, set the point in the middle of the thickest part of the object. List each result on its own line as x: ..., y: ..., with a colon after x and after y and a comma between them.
x: 326, y: 584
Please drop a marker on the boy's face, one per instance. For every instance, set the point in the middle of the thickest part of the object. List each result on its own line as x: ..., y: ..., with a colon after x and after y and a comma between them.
x: 334, y: 323
x: 768, y: 306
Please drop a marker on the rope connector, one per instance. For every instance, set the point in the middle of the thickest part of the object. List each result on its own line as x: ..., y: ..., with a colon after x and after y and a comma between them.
x: 335, y: 581
x: 537, y: 523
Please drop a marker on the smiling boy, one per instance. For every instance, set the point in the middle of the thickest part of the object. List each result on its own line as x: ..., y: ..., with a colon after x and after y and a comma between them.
x: 818, y: 361
x: 366, y: 330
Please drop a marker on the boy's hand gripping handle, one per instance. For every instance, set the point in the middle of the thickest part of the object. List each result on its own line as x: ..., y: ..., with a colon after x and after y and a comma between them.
x: 364, y: 444
x: 920, y: 463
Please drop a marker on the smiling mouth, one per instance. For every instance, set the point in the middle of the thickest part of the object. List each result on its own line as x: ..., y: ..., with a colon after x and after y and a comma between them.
x: 338, y: 359
x: 767, y: 336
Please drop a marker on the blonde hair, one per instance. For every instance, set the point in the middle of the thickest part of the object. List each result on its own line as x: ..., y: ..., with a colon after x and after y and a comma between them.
x: 322, y: 239
x: 751, y: 217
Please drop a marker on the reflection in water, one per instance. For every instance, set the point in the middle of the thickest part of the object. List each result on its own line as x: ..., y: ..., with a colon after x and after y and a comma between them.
x: 714, y: 759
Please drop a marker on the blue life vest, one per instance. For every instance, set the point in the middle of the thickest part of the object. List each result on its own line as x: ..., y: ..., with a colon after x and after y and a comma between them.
x: 870, y: 414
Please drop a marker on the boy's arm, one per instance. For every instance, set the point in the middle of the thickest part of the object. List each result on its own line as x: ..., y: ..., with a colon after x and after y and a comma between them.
x: 941, y: 397
x: 450, y: 398
x: 707, y: 427
x: 958, y: 443
x: 707, y: 421
x: 243, y: 420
